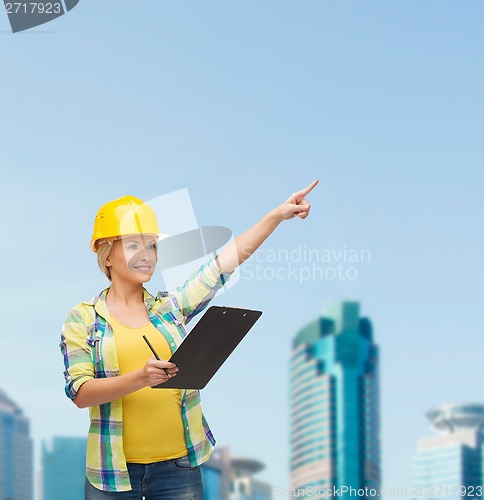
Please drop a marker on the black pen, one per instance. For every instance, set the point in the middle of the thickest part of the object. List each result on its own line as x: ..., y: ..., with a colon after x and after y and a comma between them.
x: 154, y: 352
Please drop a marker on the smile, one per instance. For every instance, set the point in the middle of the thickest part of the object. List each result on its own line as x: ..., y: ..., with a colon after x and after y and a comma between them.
x: 143, y: 269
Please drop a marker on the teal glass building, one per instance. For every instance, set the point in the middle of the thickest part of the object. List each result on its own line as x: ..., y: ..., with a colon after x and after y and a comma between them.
x: 64, y: 468
x: 216, y: 474
x: 451, y: 464
x: 334, y: 405
x: 16, y: 452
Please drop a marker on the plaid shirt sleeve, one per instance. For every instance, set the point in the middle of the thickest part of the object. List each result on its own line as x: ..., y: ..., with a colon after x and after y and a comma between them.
x: 77, y: 353
x: 200, y: 288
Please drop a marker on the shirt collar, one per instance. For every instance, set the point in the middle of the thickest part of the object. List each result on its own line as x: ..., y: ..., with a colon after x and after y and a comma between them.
x: 99, y: 302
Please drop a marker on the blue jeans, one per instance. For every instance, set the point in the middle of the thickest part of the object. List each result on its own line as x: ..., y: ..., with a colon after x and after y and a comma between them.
x: 171, y: 479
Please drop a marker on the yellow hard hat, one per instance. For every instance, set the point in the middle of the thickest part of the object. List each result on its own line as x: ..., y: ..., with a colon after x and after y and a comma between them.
x: 124, y: 216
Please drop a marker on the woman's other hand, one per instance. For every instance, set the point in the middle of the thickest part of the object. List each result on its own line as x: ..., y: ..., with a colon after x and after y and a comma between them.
x: 154, y: 372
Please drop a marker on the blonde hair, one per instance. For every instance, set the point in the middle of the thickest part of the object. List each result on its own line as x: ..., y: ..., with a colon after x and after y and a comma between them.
x: 104, y: 251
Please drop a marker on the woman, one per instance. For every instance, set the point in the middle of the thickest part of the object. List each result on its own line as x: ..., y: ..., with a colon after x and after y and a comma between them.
x: 143, y: 442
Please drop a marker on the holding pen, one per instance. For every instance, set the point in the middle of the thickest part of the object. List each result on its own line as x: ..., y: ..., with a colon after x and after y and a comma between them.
x: 155, y: 354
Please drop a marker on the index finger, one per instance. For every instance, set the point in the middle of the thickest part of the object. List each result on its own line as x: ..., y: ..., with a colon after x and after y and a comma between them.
x: 304, y: 192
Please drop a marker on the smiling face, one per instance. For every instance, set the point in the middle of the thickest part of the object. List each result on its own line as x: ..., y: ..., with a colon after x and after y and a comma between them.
x: 133, y: 258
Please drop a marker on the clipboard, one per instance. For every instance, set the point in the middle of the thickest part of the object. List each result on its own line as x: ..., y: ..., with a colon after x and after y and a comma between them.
x: 205, y: 349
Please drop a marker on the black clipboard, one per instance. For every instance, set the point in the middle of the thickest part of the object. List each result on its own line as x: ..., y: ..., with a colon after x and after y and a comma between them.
x: 204, y: 350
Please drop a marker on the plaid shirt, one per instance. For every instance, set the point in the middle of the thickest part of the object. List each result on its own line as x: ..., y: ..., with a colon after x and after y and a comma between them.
x: 89, y: 350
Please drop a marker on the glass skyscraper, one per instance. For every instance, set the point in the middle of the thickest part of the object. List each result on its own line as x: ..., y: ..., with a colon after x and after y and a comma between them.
x: 334, y: 404
x: 16, y: 452
x: 451, y: 464
x: 64, y: 468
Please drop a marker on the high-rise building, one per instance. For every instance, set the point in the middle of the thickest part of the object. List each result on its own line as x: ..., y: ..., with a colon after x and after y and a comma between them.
x: 451, y: 464
x: 64, y: 468
x: 16, y: 452
x: 243, y: 486
x: 232, y: 478
x: 334, y: 404
x: 216, y: 474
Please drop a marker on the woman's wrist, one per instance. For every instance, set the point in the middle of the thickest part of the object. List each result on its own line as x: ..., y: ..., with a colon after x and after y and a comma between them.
x: 276, y: 215
x: 105, y: 390
x: 140, y: 379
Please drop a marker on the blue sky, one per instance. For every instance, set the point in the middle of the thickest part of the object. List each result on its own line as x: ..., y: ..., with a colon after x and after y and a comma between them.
x: 242, y: 104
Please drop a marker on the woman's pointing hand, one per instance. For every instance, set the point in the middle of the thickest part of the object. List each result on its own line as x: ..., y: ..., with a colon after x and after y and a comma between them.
x: 296, y: 205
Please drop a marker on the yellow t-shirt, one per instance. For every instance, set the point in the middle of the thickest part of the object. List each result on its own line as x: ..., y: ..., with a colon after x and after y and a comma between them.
x: 152, y: 422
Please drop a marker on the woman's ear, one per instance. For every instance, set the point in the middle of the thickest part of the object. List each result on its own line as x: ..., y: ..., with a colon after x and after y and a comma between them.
x: 113, y: 244
x: 107, y: 262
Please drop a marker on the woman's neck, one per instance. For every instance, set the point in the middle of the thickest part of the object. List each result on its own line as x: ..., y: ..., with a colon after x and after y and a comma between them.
x: 125, y: 294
